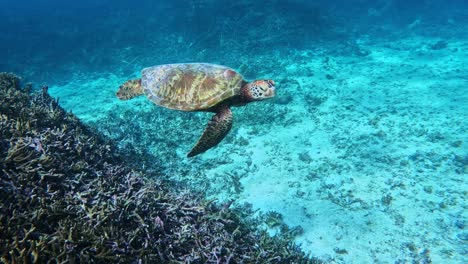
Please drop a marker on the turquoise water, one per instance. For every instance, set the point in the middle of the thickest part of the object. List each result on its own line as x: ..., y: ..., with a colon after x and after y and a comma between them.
x: 364, y: 146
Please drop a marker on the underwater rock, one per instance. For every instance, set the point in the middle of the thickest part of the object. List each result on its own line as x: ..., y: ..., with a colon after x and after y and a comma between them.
x: 313, y: 102
x: 69, y: 195
x: 305, y: 157
x: 463, y: 237
x: 441, y: 44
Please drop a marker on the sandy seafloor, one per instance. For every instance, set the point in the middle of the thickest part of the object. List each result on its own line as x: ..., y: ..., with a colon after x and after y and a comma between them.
x: 368, y: 154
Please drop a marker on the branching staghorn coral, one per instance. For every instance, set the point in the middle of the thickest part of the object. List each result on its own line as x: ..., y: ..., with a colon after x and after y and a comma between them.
x: 69, y: 196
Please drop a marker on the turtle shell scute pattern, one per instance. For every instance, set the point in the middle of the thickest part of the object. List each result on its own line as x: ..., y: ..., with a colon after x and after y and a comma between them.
x: 190, y: 86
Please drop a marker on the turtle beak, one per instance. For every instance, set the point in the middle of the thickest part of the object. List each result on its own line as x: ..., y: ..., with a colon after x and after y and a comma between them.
x: 271, y: 85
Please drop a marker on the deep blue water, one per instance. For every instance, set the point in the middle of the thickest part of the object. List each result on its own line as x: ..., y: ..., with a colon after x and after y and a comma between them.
x: 45, y: 41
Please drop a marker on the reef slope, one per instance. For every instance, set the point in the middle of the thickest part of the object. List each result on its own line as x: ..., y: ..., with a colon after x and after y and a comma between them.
x: 68, y: 195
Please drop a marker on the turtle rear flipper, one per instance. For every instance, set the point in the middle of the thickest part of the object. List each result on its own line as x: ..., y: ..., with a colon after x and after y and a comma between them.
x: 215, y: 131
x: 130, y: 89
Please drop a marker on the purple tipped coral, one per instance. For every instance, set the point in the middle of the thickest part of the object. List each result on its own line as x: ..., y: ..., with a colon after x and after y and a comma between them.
x: 67, y: 197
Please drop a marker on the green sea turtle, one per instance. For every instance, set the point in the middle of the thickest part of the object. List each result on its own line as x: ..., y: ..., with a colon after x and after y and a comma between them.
x: 199, y: 87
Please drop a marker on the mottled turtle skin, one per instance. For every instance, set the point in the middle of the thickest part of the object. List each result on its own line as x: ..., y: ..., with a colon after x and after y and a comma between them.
x: 199, y: 87
x: 191, y: 86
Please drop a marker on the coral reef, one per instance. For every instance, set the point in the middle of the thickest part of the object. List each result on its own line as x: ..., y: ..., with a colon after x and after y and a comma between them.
x: 68, y: 195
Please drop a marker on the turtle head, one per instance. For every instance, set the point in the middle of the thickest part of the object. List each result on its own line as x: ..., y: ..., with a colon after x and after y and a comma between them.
x: 259, y: 90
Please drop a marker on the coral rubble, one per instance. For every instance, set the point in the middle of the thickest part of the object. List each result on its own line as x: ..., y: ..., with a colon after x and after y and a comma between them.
x: 68, y: 195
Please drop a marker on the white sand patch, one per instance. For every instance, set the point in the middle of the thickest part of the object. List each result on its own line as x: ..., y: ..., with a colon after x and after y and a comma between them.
x: 370, y: 196
x: 369, y: 157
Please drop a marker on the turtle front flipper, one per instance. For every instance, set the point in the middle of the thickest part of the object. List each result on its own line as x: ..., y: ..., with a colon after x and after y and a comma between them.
x: 215, y: 131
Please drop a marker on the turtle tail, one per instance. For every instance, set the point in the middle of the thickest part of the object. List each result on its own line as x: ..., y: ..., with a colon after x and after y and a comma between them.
x: 130, y: 89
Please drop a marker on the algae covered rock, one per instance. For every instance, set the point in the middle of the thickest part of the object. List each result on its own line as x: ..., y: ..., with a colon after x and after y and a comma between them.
x: 68, y: 195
